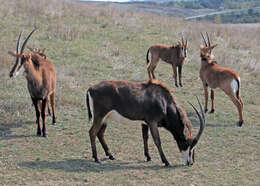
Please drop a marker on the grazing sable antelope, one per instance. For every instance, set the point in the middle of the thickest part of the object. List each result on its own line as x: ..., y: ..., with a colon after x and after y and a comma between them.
x: 174, y: 55
x: 150, y: 102
x: 214, y: 76
x: 41, y: 81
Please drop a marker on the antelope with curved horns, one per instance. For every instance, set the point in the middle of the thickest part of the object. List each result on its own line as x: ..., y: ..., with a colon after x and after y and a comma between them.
x: 214, y: 76
x: 42, y: 53
x: 41, y: 81
x: 150, y: 102
x: 174, y: 55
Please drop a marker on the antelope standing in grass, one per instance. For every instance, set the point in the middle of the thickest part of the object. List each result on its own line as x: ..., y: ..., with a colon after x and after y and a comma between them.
x: 150, y: 102
x: 41, y: 81
x: 214, y: 76
x: 42, y: 53
x: 174, y: 55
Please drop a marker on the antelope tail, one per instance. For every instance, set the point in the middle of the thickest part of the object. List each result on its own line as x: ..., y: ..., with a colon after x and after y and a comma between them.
x: 147, y: 56
x: 89, y: 110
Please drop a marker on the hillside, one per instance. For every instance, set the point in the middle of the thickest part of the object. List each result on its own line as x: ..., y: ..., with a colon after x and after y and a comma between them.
x: 88, y: 43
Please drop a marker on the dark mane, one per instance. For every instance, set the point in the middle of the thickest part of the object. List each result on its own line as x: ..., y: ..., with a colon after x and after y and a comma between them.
x: 180, y: 110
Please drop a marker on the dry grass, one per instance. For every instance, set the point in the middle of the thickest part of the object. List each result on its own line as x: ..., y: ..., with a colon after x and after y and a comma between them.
x: 88, y: 43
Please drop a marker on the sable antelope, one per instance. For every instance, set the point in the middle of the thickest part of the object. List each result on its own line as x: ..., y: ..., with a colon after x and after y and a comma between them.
x: 150, y: 102
x: 214, y: 76
x: 174, y: 55
x: 41, y: 80
x: 42, y: 53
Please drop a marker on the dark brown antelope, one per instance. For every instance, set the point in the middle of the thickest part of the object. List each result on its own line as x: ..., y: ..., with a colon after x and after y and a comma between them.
x: 149, y: 102
x: 214, y: 76
x: 174, y: 55
x: 41, y: 81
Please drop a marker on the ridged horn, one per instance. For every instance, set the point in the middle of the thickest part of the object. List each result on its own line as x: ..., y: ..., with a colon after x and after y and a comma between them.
x: 208, y: 38
x: 202, y: 122
x: 18, y: 43
x: 26, y: 40
x: 204, y: 40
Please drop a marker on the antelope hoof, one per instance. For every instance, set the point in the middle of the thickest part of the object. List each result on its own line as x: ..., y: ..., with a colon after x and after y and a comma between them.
x: 111, y: 157
x: 167, y: 164
x: 212, y: 111
x: 148, y: 159
x: 180, y: 85
x: 97, y: 161
x: 45, y: 135
x: 240, y: 123
x: 176, y: 85
x: 39, y: 134
x: 54, y: 123
x: 206, y: 110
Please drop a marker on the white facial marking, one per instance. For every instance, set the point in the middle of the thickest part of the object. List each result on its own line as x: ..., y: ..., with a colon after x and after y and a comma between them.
x: 212, y: 56
x: 182, y: 52
x: 115, y: 116
x: 234, y: 85
x: 17, y: 73
x: 91, y: 105
x: 185, y: 155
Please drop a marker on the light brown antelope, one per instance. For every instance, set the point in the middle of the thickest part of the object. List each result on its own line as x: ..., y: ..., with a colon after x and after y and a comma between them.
x: 150, y: 102
x: 42, y: 53
x: 214, y: 76
x: 41, y: 81
x: 174, y: 55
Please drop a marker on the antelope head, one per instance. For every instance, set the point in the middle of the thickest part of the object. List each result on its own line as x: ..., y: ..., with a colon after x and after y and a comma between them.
x: 206, y: 51
x: 21, y: 56
x: 189, y: 153
x: 182, y: 48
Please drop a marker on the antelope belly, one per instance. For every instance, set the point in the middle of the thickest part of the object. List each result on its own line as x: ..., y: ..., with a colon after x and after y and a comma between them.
x: 115, y: 116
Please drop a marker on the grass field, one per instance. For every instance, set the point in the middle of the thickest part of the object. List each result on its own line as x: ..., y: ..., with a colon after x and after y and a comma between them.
x: 88, y: 43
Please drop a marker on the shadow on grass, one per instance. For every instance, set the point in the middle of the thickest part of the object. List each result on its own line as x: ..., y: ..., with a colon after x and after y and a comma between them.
x: 6, y: 130
x: 83, y: 165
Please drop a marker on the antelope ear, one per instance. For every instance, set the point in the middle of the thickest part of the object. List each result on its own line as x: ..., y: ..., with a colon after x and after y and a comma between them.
x: 179, y: 42
x: 12, y: 53
x: 44, y: 51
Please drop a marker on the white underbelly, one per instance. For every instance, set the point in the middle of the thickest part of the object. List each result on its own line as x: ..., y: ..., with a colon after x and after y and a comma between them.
x: 115, y: 116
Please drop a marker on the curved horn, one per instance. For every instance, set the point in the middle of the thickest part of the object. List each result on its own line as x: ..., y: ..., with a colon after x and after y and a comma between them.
x: 182, y: 40
x: 204, y: 40
x: 208, y: 38
x: 18, y: 42
x: 202, y: 122
x: 25, y: 41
